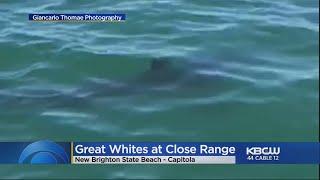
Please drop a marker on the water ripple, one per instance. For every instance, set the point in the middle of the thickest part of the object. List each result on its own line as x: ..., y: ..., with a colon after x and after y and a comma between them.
x: 24, y: 71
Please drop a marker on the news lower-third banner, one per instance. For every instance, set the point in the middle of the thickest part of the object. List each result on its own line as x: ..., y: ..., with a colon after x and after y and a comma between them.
x: 49, y: 152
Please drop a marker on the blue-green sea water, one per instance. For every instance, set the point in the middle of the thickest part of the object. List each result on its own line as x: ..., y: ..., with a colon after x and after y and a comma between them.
x: 236, y: 70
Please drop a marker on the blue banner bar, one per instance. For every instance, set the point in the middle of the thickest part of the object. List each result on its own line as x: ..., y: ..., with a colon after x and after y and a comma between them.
x: 246, y: 153
x: 78, y: 17
x: 48, y: 152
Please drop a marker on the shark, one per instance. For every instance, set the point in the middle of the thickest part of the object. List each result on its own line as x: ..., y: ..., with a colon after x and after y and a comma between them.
x: 163, y: 76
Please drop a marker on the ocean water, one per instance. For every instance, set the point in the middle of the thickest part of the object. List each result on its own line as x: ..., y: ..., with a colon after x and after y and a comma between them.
x: 235, y: 70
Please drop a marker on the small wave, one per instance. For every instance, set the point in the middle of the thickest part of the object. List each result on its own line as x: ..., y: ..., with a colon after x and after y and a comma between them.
x: 226, y: 75
x: 67, y: 114
x: 151, y: 132
x: 25, y: 71
x: 81, y: 120
x: 35, y: 42
x: 39, y: 8
x: 148, y: 109
x: 196, y: 26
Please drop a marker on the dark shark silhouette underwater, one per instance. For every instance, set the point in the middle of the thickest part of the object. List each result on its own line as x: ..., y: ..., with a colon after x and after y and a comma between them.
x: 162, y: 76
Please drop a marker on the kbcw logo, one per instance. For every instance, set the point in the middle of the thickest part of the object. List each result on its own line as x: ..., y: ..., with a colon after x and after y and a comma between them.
x: 263, y: 151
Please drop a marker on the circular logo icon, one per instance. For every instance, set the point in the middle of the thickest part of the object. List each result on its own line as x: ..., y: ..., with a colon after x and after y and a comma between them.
x: 43, y: 152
